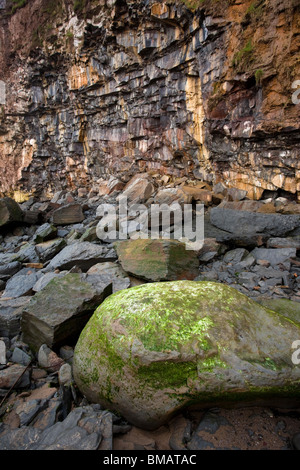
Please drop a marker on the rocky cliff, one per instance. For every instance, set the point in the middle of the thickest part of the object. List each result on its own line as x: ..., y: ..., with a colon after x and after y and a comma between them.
x: 196, y: 89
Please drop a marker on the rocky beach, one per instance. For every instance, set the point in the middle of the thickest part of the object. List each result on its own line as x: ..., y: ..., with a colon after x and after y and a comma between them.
x: 149, y: 225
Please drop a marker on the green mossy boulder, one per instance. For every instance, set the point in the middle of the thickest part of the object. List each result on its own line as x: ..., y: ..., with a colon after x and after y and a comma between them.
x: 151, y: 350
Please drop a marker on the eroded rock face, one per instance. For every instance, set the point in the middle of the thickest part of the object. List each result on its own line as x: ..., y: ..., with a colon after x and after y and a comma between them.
x: 129, y: 87
x: 153, y: 349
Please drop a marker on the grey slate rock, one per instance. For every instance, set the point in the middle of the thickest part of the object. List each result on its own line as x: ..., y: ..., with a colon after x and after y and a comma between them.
x: 48, y: 417
x: 240, y: 222
x: 10, y: 316
x: 274, y: 255
x: 58, y: 313
x: 47, y: 250
x: 235, y: 256
x: 20, y: 357
x: 45, y: 279
x: 69, y: 214
x: 284, y: 243
x: 29, y: 410
x: 20, y: 439
x: 44, y: 233
x: 9, y: 376
x: 8, y: 270
x: 21, y: 284
x: 209, y: 424
x: 84, y: 255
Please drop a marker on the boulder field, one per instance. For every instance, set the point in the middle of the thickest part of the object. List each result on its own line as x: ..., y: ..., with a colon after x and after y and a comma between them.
x: 156, y: 348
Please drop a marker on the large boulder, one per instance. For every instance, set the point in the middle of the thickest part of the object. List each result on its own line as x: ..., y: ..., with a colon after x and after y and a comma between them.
x: 158, y: 260
x: 153, y: 349
x: 58, y: 313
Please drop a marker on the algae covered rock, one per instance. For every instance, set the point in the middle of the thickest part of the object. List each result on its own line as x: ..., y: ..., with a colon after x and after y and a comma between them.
x: 158, y: 260
x: 150, y: 350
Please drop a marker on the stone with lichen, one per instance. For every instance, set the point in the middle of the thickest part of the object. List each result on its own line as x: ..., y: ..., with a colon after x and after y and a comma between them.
x: 153, y: 349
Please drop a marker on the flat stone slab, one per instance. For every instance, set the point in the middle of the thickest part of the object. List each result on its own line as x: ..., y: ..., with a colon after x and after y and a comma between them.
x: 58, y: 313
x: 241, y: 222
x: 275, y: 256
x: 10, y: 375
x: 82, y: 254
x: 85, y: 428
x: 47, y: 250
x: 21, y: 284
x: 70, y: 214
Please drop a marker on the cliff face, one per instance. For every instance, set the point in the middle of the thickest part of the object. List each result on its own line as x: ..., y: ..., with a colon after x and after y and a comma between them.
x: 116, y: 87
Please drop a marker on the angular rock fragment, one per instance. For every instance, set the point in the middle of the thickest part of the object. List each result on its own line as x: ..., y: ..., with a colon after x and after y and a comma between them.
x: 158, y: 260
x: 21, y: 284
x: 47, y: 250
x: 138, y: 190
x: 70, y: 214
x: 110, y: 272
x: 275, y: 256
x: 10, y: 211
x: 48, y: 359
x: 171, y: 195
x: 84, y: 255
x: 9, y: 377
x: 44, y: 233
x: 10, y: 316
x: 59, y: 312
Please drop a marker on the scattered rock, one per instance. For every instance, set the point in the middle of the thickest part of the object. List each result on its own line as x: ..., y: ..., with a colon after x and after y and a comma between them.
x: 20, y: 357
x: 21, y: 284
x: 9, y: 377
x: 29, y: 410
x: 59, y: 312
x: 47, y: 250
x: 10, y: 211
x: 65, y: 375
x: 70, y: 214
x: 138, y: 190
x: 275, y: 256
x: 8, y: 270
x: 209, y: 425
x: 10, y: 316
x: 84, y: 255
x: 171, y: 195
x: 240, y: 222
x: 45, y: 233
x: 48, y: 360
